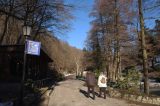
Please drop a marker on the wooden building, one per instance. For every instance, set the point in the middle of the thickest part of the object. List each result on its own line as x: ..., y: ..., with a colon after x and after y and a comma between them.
x: 11, y: 64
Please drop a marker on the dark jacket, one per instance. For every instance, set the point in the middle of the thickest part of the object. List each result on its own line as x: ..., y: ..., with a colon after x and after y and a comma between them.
x: 90, y: 79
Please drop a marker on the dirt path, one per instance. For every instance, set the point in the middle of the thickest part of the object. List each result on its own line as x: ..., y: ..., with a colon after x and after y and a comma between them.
x: 71, y: 93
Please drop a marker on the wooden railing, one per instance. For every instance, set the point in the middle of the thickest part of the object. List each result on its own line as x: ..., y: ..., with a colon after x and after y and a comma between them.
x: 43, y: 83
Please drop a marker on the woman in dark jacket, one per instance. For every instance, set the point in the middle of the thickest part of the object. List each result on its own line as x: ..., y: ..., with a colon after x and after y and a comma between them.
x: 91, y: 83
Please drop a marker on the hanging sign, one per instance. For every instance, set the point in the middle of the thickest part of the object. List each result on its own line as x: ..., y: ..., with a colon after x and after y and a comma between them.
x: 33, y: 47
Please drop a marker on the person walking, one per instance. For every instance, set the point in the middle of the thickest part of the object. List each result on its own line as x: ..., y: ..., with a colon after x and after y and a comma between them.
x: 91, y: 83
x: 102, y: 83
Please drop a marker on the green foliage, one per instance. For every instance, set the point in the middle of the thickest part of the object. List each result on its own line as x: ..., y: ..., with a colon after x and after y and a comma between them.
x: 157, y: 68
x: 28, y: 85
x: 97, y: 73
x: 29, y: 82
x: 129, y: 80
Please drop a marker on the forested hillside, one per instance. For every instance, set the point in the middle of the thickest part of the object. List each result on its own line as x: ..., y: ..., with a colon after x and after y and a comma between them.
x: 120, y: 38
x: 46, y: 17
x: 65, y: 58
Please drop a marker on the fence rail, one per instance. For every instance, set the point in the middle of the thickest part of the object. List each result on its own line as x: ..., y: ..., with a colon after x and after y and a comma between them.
x: 43, y: 83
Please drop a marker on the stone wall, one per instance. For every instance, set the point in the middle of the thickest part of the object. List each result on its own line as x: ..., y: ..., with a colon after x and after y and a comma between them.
x: 137, y: 98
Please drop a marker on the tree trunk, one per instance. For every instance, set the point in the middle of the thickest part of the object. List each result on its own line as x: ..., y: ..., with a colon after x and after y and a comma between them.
x: 77, y: 69
x: 109, y: 60
x: 143, y: 45
x: 153, y: 61
x: 11, y: 2
x: 117, y: 50
x: 5, y: 28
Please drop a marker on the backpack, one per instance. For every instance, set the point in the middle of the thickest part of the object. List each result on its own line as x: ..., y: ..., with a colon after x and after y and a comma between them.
x: 103, y: 81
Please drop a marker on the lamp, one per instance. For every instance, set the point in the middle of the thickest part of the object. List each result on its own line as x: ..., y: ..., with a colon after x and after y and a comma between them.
x: 26, y: 33
x: 26, y: 30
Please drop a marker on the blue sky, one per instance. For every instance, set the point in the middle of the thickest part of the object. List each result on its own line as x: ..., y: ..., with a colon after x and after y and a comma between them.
x: 81, y: 24
x: 150, y: 23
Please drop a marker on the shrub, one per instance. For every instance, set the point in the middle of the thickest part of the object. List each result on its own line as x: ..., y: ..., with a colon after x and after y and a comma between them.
x: 157, y: 67
x: 130, y: 80
x: 97, y: 73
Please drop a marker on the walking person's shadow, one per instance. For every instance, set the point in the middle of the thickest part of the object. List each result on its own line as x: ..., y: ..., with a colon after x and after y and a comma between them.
x: 85, y: 93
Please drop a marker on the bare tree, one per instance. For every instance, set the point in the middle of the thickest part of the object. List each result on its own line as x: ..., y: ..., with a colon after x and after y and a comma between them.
x: 143, y: 46
x: 110, y: 27
x: 41, y: 15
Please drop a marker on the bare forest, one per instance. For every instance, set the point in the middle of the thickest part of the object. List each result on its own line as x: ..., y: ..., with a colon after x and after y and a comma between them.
x: 120, y: 37
x: 47, y: 18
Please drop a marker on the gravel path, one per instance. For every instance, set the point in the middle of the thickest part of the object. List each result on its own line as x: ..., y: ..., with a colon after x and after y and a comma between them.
x: 72, y: 93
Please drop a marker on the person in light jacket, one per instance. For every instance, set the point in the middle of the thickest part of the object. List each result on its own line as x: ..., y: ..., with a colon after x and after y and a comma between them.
x: 102, y: 83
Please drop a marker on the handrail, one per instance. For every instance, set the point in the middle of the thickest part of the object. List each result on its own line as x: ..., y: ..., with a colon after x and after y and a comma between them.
x: 42, y: 83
